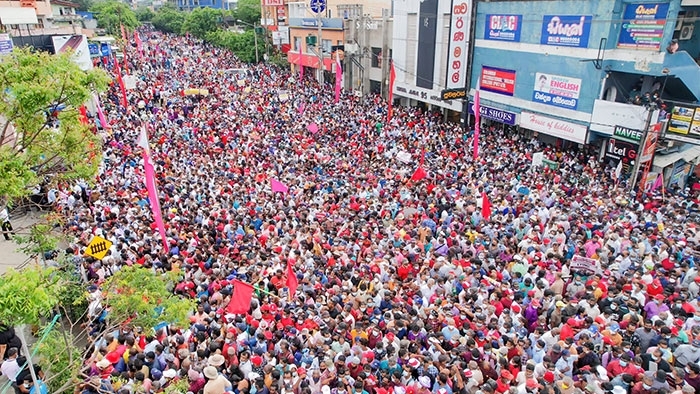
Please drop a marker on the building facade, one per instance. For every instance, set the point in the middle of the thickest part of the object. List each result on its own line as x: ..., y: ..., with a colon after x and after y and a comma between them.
x: 594, y: 72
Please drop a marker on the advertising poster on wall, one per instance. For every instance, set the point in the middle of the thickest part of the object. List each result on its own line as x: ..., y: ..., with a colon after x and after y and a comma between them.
x: 503, y: 27
x: 643, y: 26
x: 78, y: 45
x: 497, y: 80
x: 681, y: 119
x: 566, y: 30
x: 695, y: 126
x: 495, y: 114
x: 458, y: 44
x: 618, y: 149
x: 5, y: 44
x: 556, y: 90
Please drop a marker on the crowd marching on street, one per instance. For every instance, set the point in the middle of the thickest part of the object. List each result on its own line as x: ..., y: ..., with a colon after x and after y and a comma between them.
x: 391, y: 261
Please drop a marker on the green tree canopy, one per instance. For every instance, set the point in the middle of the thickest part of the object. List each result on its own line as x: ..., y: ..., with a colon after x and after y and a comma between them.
x: 169, y: 20
x: 248, y: 11
x: 241, y: 44
x: 144, y: 14
x: 33, y: 143
x: 110, y: 14
x: 201, y: 21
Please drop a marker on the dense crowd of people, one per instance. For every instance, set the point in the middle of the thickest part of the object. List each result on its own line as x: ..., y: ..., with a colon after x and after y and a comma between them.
x: 405, y: 286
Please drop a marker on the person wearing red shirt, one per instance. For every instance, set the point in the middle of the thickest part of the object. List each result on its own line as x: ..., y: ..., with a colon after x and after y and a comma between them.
x: 503, y: 383
x: 622, y: 365
x: 279, y: 281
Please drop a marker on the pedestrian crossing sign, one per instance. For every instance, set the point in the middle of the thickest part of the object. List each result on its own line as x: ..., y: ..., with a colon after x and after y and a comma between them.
x: 98, y: 247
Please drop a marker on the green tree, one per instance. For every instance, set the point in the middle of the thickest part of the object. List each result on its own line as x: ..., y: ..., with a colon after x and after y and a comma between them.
x: 111, y: 14
x: 133, y: 294
x: 84, y: 5
x: 36, y: 142
x: 241, y: 44
x: 169, y: 20
x: 201, y: 21
x: 144, y: 14
x: 248, y: 11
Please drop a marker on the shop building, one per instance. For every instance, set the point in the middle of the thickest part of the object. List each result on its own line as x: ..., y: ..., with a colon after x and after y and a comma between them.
x: 582, y: 72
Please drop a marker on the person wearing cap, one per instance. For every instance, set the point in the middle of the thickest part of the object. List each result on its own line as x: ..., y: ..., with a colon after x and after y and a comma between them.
x: 503, y: 383
x: 687, y: 353
x: 216, y: 383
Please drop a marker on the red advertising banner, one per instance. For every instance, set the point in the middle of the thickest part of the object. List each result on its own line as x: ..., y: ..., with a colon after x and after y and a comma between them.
x: 497, y: 80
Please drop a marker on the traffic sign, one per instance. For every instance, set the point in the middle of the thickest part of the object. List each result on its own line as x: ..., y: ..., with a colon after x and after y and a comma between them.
x: 318, y: 6
x: 98, y: 247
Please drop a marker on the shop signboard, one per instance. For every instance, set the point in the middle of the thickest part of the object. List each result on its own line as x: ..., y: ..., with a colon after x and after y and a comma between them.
x: 566, y: 30
x: 497, y: 80
x: 643, y: 26
x: 496, y: 114
x: 554, y: 127
x: 556, y: 90
x: 503, y: 27
x: 681, y: 119
x: 460, y: 22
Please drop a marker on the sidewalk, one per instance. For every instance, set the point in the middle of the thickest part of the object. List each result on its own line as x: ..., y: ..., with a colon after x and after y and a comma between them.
x: 12, y: 257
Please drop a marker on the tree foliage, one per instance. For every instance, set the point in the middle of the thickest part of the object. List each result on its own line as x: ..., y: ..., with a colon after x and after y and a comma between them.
x: 202, y: 21
x: 241, y: 44
x: 33, y: 143
x: 29, y: 295
x: 169, y: 20
x: 144, y: 298
x: 111, y: 14
x: 248, y: 11
x: 144, y: 14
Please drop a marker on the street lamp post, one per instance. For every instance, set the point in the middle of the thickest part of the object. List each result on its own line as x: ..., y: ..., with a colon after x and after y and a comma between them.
x: 255, y: 37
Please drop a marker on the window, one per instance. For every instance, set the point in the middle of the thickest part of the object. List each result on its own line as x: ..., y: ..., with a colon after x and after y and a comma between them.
x: 297, y: 44
x: 327, y: 46
x: 376, y: 57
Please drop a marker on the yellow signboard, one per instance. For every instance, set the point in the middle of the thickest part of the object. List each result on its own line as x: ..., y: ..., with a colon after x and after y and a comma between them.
x: 98, y: 247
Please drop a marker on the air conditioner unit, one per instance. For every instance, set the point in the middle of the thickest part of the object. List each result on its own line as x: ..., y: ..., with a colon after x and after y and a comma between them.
x: 686, y: 32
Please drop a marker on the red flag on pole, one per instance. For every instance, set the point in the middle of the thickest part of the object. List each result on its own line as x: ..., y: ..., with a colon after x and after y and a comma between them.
x: 123, y: 33
x: 301, y: 65
x: 485, y: 206
x: 125, y: 102
x: 419, y: 174
x: 292, y: 281
x: 338, y: 76
x: 392, y: 79
x: 151, y: 187
x: 240, y: 298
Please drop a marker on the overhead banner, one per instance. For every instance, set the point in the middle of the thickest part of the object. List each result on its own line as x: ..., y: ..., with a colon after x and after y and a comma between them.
x: 458, y: 44
x: 556, y: 90
x: 497, y: 80
x: 566, y: 30
x: 554, y: 127
x: 643, y: 26
x: 503, y: 27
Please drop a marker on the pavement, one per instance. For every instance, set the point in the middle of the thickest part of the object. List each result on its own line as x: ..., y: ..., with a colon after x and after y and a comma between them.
x: 10, y: 254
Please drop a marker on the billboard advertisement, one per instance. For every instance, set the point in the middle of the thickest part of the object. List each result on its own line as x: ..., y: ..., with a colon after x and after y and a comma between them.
x: 566, y: 30
x: 497, y: 80
x: 503, y: 27
x: 5, y: 44
x: 681, y: 119
x: 554, y: 127
x: 78, y: 44
x: 556, y: 90
x: 643, y: 26
x: 458, y: 44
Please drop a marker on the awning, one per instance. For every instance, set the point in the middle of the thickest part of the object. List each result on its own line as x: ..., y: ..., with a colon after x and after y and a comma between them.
x: 18, y: 16
x: 687, y: 155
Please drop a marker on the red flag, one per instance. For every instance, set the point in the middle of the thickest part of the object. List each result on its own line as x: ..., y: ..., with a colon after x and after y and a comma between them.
x: 241, y: 297
x: 485, y: 206
x: 125, y: 102
x: 83, y: 115
x: 301, y: 66
x: 292, y: 281
x: 123, y: 33
x: 419, y: 174
x: 392, y: 79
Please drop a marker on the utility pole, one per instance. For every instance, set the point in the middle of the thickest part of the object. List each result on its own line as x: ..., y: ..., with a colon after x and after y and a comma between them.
x: 385, y: 51
x: 319, y: 47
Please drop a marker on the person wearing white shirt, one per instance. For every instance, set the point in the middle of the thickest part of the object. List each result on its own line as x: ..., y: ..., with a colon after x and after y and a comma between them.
x: 10, y: 368
x: 7, y: 229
